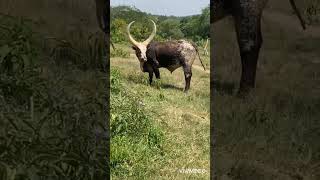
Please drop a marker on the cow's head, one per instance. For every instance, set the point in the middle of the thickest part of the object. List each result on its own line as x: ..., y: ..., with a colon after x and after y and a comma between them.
x: 141, y: 47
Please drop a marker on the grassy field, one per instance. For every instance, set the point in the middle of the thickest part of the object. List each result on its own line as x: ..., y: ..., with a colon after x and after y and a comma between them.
x: 274, y: 133
x: 53, y: 102
x: 182, y: 119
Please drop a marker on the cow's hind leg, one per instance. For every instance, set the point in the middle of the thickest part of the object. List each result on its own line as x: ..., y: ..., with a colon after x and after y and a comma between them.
x: 157, y: 72
x: 250, y: 40
x: 187, y: 75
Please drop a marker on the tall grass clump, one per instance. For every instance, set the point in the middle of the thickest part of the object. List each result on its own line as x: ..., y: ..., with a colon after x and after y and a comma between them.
x: 136, y: 140
x: 84, y: 50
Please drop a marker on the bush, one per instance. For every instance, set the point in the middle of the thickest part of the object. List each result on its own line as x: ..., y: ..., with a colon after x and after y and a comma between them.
x: 117, y: 30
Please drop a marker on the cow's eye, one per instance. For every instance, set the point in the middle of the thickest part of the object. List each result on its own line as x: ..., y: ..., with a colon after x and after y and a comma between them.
x: 134, y: 48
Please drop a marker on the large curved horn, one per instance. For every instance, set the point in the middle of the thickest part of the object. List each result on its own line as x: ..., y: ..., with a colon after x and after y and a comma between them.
x: 134, y: 42
x: 152, y: 35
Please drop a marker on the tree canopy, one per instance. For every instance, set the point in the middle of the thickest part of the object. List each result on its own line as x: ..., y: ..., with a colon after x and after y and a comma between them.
x: 195, y: 27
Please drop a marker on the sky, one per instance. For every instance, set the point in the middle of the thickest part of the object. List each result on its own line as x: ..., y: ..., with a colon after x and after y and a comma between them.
x: 166, y: 7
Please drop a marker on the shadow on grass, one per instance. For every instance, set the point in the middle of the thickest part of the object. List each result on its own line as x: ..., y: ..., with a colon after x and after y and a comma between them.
x: 224, y: 87
x: 138, y: 79
x: 142, y: 80
x: 171, y: 86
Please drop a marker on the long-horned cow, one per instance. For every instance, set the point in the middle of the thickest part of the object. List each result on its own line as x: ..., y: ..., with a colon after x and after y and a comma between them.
x: 247, y: 16
x: 170, y: 55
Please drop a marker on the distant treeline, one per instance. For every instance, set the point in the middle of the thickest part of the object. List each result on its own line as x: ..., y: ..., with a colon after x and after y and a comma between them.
x: 195, y: 27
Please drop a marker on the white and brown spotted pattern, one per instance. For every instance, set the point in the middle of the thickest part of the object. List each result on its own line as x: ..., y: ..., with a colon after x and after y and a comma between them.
x: 188, y: 51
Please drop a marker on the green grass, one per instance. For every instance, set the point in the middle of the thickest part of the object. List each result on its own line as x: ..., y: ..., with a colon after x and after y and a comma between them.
x: 136, y: 139
x: 182, y: 119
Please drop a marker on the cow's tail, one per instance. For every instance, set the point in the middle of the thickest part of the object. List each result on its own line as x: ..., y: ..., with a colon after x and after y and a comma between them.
x: 195, y: 46
x: 296, y: 10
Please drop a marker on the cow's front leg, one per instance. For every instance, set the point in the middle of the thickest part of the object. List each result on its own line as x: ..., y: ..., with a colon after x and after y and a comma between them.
x: 187, y: 75
x: 150, y: 77
x: 155, y: 63
x: 249, y: 40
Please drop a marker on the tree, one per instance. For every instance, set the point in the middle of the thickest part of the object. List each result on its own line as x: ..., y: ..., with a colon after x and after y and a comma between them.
x: 194, y: 27
x: 170, y: 28
x: 197, y: 26
x: 117, y: 30
x: 189, y: 26
x: 204, y: 23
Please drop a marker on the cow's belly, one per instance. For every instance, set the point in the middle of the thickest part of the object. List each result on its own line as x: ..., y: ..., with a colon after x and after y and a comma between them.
x: 171, y: 68
x: 169, y: 62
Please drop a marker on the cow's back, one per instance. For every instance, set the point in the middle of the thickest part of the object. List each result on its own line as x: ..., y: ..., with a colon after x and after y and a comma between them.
x: 173, y: 54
